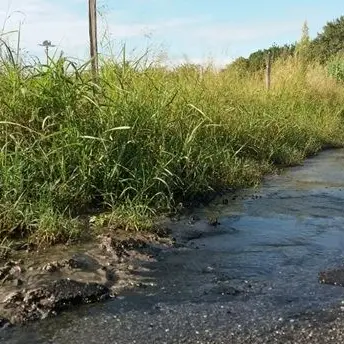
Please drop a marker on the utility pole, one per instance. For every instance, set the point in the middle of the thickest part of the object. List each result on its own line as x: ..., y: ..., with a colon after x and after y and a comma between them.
x: 92, y: 17
x: 268, y: 71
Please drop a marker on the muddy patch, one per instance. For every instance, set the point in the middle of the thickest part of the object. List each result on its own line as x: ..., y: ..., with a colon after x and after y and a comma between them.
x: 50, y: 299
x: 37, y: 284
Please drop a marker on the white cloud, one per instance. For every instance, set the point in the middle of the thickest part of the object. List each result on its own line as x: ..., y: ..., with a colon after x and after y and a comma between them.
x: 55, y: 21
x: 226, y: 32
x: 42, y: 19
x: 218, y: 62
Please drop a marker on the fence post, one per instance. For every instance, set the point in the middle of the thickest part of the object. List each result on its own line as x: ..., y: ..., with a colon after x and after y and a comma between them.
x: 268, y: 71
x: 92, y: 16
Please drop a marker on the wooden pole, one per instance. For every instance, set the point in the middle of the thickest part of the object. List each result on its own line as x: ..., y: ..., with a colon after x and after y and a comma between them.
x: 92, y: 16
x: 268, y: 71
x: 18, y: 44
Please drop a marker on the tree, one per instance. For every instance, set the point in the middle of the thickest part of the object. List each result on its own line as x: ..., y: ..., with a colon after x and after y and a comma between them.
x: 239, y: 65
x: 302, y: 48
x: 330, y: 41
x: 257, y: 60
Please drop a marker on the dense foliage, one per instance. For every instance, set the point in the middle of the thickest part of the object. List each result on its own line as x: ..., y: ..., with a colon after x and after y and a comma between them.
x: 257, y: 60
x: 327, y: 48
x: 330, y: 42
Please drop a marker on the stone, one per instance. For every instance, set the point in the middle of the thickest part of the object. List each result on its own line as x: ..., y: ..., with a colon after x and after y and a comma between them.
x: 51, y: 266
x: 332, y: 276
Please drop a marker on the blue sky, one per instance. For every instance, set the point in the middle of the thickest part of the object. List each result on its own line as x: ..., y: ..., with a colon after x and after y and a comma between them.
x: 180, y: 29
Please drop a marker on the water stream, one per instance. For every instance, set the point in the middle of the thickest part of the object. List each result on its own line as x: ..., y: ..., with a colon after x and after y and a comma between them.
x: 259, y: 266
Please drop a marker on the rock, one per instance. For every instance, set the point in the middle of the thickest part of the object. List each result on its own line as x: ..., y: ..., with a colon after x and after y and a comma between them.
x: 52, y: 266
x: 83, y: 261
x: 334, y: 277
x: 208, y: 269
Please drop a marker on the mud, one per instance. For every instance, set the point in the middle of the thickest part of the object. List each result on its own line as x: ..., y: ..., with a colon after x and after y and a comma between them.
x: 50, y: 299
x: 41, y: 284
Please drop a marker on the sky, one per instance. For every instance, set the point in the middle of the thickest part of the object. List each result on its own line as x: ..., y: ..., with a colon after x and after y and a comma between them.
x: 180, y: 30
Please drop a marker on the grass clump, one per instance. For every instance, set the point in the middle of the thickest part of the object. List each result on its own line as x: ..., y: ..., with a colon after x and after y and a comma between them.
x: 146, y: 138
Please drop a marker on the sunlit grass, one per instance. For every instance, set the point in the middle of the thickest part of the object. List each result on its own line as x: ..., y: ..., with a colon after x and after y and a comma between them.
x: 146, y: 138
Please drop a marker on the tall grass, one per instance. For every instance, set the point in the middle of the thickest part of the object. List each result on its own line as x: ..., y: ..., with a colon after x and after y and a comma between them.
x: 146, y: 138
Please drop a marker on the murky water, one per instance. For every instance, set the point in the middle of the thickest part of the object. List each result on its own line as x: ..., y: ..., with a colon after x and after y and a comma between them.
x: 260, y: 265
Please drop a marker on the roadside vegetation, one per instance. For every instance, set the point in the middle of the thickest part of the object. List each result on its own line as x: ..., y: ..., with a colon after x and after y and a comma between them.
x: 146, y: 138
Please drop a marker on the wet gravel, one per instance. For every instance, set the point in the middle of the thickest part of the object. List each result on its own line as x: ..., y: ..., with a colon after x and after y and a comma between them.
x: 188, y: 323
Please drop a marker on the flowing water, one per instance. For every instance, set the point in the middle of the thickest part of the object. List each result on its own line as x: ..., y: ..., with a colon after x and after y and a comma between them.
x: 258, y: 267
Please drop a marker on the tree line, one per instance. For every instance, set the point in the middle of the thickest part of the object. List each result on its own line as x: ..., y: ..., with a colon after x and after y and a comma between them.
x: 326, y: 48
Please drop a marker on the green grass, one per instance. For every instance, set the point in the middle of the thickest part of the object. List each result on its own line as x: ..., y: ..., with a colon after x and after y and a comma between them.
x: 146, y: 138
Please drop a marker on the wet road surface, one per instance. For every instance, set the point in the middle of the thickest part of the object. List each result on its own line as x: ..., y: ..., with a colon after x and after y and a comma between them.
x: 251, y: 279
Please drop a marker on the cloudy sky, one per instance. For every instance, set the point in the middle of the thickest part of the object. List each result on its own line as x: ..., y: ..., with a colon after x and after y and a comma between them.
x: 192, y: 29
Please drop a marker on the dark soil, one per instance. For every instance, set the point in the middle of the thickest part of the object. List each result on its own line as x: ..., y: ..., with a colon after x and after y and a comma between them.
x: 38, y: 284
x: 50, y: 299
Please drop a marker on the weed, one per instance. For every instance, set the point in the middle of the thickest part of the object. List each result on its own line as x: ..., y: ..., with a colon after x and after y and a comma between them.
x: 147, y: 137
